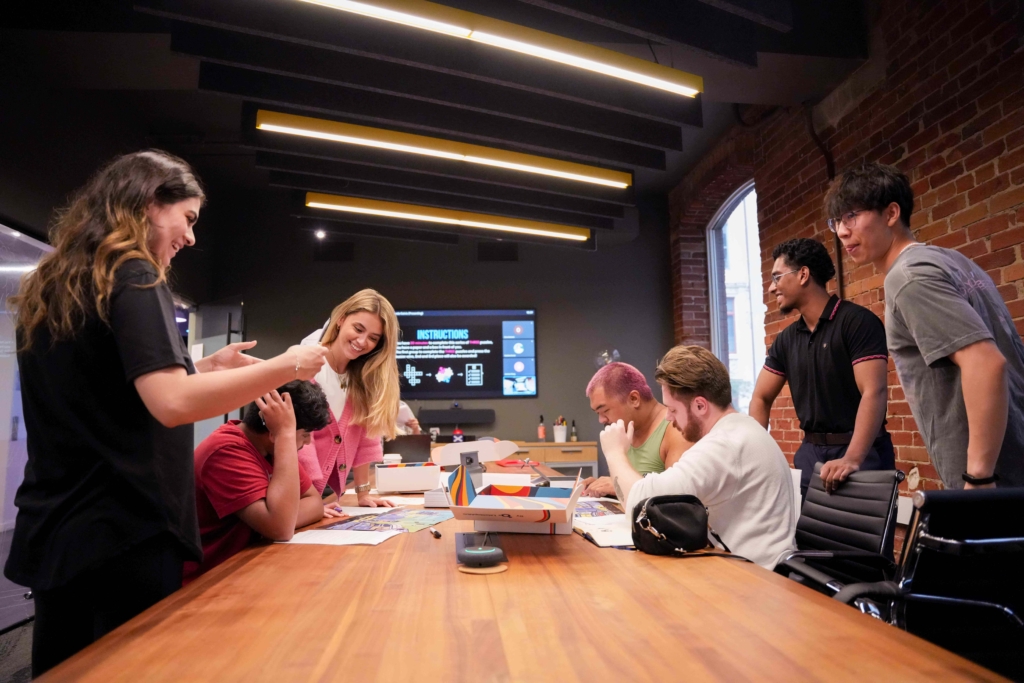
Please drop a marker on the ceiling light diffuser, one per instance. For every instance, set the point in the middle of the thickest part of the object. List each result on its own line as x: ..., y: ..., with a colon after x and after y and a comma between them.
x: 348, y: 133
x: 429, y: 214
x: 431, y: 16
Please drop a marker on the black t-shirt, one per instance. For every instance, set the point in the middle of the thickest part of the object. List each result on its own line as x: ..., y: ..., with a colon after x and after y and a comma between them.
x: 819, y: 365
x: 102, y: 473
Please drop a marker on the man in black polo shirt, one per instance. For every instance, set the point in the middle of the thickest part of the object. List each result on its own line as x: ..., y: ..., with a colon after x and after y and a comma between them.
x: 835, y: 360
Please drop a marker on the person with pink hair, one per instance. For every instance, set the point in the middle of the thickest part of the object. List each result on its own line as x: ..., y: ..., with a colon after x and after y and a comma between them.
x: 618, y: 391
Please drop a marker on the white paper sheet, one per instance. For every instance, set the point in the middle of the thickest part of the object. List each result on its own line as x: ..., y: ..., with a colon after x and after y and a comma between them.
x: 609, y: 530
x: 401, y: 501
x: 336, y: 537
x: 353, y: 511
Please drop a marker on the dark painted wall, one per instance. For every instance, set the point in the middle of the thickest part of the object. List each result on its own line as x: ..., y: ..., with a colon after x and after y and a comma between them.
x: 618, y: 297
x: 52, y: 141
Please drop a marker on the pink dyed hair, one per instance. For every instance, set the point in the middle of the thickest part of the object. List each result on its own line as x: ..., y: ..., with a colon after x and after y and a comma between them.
x: 619, y: 379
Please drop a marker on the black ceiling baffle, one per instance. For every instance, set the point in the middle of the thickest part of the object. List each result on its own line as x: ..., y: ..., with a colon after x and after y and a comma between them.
x: 322, y: 63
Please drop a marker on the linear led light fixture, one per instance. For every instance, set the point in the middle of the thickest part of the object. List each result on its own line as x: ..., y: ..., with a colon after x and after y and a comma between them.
x: 460, y: 24
x: 18, y: 268
x: 353, y: 134
x: 373, y: 207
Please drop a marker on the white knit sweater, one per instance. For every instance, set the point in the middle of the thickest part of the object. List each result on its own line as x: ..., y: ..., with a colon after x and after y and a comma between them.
x: 739, y: 473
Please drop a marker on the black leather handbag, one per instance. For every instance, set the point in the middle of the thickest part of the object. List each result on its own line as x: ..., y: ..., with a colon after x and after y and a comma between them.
x: 678, y: 526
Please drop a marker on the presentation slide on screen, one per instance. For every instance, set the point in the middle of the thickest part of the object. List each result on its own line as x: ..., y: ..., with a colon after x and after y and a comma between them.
x: 467, y: 354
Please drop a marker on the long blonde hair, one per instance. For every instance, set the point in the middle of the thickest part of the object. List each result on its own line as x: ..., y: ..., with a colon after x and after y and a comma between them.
x: 104, y: 225
x: 372, y: 378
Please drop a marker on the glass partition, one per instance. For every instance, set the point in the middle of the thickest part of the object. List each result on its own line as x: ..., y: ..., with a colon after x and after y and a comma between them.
x: 19, y: 254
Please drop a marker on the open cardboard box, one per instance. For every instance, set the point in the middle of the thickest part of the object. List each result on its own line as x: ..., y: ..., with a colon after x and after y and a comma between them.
x: 515, y: 509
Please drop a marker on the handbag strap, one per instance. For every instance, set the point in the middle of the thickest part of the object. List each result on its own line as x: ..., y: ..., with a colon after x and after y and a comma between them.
x: 715, y: 537
x: 698, y: 553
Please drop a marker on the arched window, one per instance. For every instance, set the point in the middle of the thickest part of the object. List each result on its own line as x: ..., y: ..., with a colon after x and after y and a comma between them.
x: 737, y: 292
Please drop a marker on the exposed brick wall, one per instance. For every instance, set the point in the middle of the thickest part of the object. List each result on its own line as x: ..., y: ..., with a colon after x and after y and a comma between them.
x: 948, y: 110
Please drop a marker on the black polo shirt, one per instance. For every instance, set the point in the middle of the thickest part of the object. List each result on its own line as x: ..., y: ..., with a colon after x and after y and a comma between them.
x: 819, y: 365
x: 102, y: 475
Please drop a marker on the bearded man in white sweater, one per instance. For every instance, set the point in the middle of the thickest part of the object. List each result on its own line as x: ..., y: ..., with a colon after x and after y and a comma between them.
x: 734, y: 467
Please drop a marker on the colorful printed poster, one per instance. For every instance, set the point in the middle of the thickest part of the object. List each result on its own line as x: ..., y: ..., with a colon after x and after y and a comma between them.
x: 596, y: 508
x: 399, y: 519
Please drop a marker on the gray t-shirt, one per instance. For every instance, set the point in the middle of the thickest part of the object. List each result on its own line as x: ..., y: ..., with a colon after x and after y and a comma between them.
x: 937, y: 301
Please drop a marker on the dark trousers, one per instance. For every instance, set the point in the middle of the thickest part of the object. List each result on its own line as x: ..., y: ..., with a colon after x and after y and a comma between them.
x: 99, y: 600
x: 881, y: 456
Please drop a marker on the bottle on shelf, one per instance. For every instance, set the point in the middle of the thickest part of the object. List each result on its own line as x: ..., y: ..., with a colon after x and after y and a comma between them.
x: 542, y: 432
x: 572, y: 434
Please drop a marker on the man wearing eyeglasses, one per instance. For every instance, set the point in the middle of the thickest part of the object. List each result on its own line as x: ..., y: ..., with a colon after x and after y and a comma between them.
x: 956, y: 349
x: 835, y: 361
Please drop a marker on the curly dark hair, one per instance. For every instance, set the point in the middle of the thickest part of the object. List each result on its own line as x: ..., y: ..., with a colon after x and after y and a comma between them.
x: 870, y: 186
x: 810, y: 253
x: 308, y: 401
x: 104, y: 226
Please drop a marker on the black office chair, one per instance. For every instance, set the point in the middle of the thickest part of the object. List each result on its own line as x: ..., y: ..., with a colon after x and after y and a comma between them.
x: 846, y: 536
x: 959, y: 583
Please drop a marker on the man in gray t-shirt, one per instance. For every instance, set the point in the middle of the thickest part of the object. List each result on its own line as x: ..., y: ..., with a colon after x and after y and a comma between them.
x: 951, y: 336
x: 937, y: 302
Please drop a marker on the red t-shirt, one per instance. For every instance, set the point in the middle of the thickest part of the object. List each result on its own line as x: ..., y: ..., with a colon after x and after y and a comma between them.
x: 230, y: 474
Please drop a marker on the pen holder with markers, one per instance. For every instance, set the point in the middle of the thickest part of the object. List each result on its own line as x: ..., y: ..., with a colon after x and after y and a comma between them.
x: 560, y: 433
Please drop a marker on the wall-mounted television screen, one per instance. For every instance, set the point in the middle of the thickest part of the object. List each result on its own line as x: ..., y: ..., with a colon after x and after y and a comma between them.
x: 467, y: 354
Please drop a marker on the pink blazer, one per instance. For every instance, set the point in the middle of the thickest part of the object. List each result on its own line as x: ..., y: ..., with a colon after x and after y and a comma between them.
x: 336, y: 449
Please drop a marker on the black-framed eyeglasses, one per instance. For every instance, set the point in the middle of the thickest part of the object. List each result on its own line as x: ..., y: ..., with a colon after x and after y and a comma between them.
x: 847, y: 220
x: 778, y: 276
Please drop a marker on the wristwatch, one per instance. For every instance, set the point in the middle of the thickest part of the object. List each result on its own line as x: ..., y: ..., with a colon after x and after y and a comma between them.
x: 363, y: 488
x: 979, y: 481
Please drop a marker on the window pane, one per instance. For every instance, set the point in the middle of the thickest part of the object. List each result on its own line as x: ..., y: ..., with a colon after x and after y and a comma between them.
x: 730, y: 311
x: 742, y: 349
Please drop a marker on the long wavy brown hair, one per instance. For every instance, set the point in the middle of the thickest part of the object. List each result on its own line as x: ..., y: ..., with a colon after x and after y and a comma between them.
x: 103, y: 226
x: 373, y: 378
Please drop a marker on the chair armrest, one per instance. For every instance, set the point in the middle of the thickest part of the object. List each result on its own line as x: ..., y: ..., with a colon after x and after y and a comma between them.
x: 887, y: 566
x: 798, y: 566
x: 880, y: 589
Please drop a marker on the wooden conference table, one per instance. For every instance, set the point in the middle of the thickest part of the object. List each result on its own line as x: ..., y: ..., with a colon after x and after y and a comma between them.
x: 565, y: 610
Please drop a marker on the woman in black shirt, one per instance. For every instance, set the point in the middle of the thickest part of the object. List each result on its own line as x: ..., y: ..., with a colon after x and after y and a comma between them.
x: 107, y: 512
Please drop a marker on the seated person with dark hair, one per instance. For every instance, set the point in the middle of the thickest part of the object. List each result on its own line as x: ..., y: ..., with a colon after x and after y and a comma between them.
x: 248, y: 479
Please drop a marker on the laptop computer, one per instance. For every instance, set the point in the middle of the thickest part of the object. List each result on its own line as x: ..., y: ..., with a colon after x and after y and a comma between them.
x: 412, y: 447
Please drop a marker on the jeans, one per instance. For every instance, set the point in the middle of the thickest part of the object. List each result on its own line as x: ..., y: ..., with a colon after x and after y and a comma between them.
x: 881, y: 456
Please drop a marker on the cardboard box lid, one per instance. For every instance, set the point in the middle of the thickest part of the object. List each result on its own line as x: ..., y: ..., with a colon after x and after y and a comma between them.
x: 518, y: 503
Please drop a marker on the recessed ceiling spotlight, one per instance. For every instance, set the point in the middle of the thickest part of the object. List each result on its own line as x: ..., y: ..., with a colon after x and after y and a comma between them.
x: 320, y: 234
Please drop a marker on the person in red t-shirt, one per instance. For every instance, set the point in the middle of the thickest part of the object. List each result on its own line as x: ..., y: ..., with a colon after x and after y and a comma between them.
x: 248, y: 479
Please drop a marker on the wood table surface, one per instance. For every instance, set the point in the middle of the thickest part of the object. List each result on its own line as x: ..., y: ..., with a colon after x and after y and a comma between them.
x: 565, y: 610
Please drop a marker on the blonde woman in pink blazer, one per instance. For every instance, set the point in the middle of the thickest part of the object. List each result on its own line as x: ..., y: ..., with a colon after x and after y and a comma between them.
x: 360, y: 380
